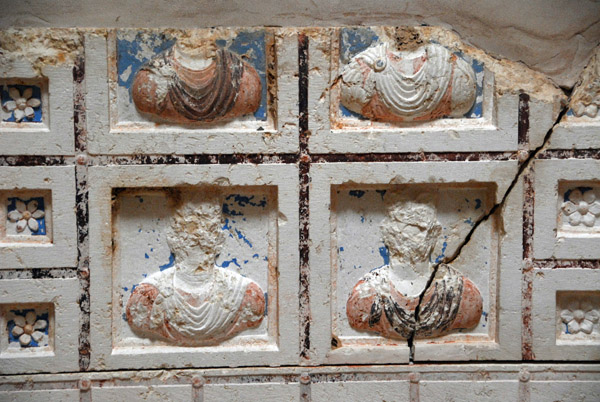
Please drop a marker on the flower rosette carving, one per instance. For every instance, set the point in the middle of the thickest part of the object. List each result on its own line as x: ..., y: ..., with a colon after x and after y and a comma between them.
x: 581, y: 207
x: 28, y: 328
x: 26, y: 215
x: 21, y: 105
x: 579, y: 316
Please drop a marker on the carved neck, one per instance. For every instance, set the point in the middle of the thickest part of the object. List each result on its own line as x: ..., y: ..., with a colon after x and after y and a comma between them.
x: 196, y: 263
x: 409, y: 278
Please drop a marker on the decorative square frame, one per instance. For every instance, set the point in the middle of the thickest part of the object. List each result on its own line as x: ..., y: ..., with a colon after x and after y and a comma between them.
x: 107, y: 137
x: 64, y: 353
x: 550, y: 174
x: 546, y: 284
x: 279, y: 351
x: 325, y: 176
x: 496, y: 130
x: 61, y: 251
x: 55, y: 134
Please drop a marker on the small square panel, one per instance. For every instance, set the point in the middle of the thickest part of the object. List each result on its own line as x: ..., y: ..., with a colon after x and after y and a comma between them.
x: 566, y: 209
x: 39, y: 325
x: 37, y: 217
x: 36, y: 114
x: 28, y: 328
x: 566, y: 310
x: 253, y: 71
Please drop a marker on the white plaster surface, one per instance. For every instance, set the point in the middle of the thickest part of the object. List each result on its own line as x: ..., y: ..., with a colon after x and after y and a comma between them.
x: 552, y: 178
x: 59, y: 248
x: 465, y: 391
x: 117, y: 128
x: 361, y: 391
x: 275, y: 345
x: 66, y: 395
x: 150, y: 393
x: 563, y: 391
x: 268, y: 392
x: 62, y: 354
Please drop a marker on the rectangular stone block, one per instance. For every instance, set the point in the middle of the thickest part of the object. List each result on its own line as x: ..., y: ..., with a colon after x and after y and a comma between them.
x: 464, y: 391
x: 37, y: 217
x: 267, y: 392
x: 39, y: 325
x: 268, y: 84
x: 361, y: 390
x: 566, y: 310
x: 567, y: 202
x: 367, y: 94
x: 139, y: 255
x: 370, y: 199
x: 150, y: 393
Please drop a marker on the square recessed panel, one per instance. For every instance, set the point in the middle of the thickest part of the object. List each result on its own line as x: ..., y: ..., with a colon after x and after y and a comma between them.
x: 37, y: 217
x: 133, y: 208
x: 39, y: 327
x: 36, y: 117
x: 565, y: 214
x: 347, y: 199
x: 566, y: 311
x: 489, y: 125
x: 269, y: 59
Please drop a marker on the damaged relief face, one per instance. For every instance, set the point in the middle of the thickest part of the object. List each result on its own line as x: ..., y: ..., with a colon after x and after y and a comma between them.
x: 426, y: 84
x: 385, y: 300
x: 195, y: 302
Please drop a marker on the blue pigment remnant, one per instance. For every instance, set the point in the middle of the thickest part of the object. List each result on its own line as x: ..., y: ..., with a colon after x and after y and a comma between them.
x: 266, y: 258
x: 255, y: 256
x: 168, y: 264
x: 241, y: 236
x: 357, y: 193
x: 442, y: 254
x: 477, y: 108
x: 36, y: 94
x: 477, y: 203
x: 226, y: 264
x: 124, y: 317
x: 226, y: 225
x: 362, y: 219
x: 354, y: 41
x: 381, y: 193
x: 567, y: 328
x: 146, y: 255
x: 12, y: 205
x: 385, y: 255
x: 485, y: 318
x: 129, y: 59
x: 341, y: 248
x: 469, y: 221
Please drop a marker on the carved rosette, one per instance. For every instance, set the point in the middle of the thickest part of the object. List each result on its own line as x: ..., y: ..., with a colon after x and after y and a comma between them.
x: 425, y: 84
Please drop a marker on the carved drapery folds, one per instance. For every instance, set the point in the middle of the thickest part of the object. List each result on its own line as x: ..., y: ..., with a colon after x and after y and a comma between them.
x: 425, y: 84
x: 195, y: 302
x: 389, y: 300
x: 179, y: 87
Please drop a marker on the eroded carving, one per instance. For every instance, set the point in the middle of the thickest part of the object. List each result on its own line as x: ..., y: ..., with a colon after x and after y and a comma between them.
x: 29, y: 215
x: 21, y: 104
x: 581, y: 206
x: 180, y: 87
x: 385, y: 300
x: 195, y: 302
x: 425, y: 84
x: 586, y: 96
x: 27, y: 328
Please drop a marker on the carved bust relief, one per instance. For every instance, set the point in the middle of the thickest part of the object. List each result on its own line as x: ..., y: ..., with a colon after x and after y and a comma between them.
x: 190, y: 85
x: 400, y: 299
x: 195, y: 302
x: 394, y: 86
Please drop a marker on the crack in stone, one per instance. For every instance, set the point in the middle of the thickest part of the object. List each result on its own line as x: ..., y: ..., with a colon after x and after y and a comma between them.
x: 448, y: 260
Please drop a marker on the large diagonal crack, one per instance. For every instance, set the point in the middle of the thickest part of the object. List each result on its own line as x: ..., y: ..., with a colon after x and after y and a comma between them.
x: 498, y: 206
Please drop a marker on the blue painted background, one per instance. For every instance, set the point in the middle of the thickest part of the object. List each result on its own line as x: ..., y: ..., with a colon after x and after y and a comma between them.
x: 37, y: 93
x: 12, y: 205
